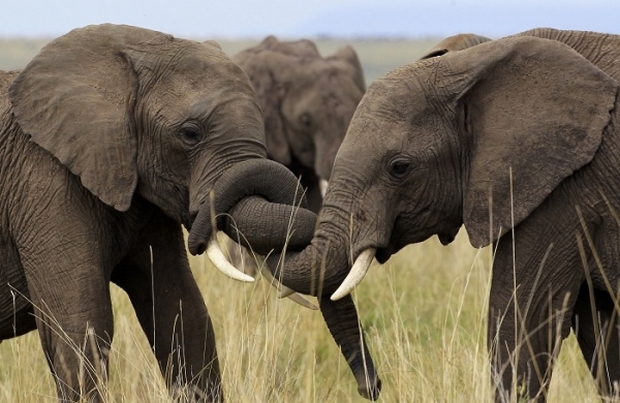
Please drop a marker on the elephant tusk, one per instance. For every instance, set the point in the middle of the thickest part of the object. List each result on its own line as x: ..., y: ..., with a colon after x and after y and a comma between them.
x: 296, y: 297
x: 215, y: 254
x: 323, y: 187
x: 284, y: 291
x: 356, y: 275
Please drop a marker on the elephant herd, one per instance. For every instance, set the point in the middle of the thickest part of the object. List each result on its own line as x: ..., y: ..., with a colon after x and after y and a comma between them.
x: 115, y: 138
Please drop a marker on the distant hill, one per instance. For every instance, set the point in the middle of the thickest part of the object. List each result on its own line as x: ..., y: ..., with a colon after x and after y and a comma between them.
x: 441, y: 20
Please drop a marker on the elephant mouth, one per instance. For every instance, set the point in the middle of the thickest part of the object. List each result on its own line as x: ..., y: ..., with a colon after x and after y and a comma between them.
x: 384, y: 254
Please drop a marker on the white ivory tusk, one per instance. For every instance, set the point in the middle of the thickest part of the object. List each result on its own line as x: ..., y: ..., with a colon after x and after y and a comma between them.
x: 284, y: 291
x: 215, y: 254
x: 356, y: 275
x: 323, y: 187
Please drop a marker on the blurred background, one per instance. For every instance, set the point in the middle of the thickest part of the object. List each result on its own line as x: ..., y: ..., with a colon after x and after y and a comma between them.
x: 385, y: 33
x: 324, y: 18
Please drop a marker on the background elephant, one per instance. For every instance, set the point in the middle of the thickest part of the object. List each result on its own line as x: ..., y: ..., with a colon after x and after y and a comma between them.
x: 111, y: 139
x: 516, y: 140
x: 307, y: 102
x: 454, y: 43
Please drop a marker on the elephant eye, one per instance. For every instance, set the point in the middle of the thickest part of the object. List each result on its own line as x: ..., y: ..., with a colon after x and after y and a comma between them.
x: 190, y: 133
x: 306, y: 120
x: 399, y: 168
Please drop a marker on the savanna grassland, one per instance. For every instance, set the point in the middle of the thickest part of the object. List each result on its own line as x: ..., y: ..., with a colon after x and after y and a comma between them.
x: 424, y: 313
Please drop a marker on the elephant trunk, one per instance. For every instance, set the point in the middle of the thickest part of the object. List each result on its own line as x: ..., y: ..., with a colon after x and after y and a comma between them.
x: 322, y: 266
x: 263, y: 226
x: 260, y: 177
x: 306, y: 272
x: 343, y: 323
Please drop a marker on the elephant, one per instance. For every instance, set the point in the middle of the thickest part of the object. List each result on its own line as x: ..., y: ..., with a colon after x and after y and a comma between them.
x: 111, y: 140
x: 454, y: 43
x: 515, y: 139
x: 307, y: 102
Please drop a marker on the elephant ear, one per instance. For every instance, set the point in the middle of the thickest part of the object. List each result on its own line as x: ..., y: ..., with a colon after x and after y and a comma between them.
x: 349, y: 55
x: 454, y: 43
x: 76, y: 99
x: 533, y: 112
x: 264, y: 67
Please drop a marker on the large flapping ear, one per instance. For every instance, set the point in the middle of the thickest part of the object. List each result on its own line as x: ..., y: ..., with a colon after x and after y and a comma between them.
x: 349, y: 55
x: 76, y: 99
x: 265, y: 65
x: 454, y: 43
x: 534, y: 112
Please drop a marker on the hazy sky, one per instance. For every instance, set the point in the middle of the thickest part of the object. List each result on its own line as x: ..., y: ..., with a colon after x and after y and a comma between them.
x: 294, y: 18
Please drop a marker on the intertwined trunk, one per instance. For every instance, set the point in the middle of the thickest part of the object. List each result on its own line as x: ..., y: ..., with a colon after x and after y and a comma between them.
x: 320, y: 268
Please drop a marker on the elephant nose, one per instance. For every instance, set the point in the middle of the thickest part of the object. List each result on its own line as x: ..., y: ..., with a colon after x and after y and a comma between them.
x: 198, y: 249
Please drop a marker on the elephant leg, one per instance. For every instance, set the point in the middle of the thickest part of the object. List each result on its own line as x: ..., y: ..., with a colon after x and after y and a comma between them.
x: 343, y: 323
x: 530, y: 309
x: 170, y: 308
x: 596, y: 328
x: 73, y: 315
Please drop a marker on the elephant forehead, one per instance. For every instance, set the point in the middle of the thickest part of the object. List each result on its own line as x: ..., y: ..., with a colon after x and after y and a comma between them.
x: 377, y: 134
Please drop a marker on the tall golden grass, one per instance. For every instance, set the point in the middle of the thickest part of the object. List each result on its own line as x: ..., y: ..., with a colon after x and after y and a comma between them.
x: 424, y: 312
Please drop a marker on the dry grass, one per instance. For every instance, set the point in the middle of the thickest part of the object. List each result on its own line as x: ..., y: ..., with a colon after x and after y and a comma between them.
x: 424, y: 313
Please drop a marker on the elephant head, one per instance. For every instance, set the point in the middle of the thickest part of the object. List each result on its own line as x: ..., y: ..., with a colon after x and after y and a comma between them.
x: 439, y: 138
x: 137, y: 112
x: 307, y: 102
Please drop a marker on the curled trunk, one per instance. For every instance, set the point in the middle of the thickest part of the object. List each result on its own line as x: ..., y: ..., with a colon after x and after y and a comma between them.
x: 256, y: 177
x: 264, y: 226
x: 322, y: 266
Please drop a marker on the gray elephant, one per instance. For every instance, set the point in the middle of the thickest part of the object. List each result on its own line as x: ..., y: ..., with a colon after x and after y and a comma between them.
x: 516, y: 140
x: 111, y: 139
x: 307, y: 102
x: 455, y: 43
